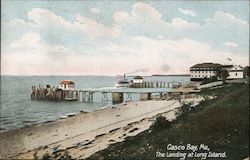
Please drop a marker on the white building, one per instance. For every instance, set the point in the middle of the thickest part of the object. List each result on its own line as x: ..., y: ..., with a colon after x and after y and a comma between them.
x: 66, y: 85
x: 138, y: 80
x: 203, y: 70
x: 235, y: 72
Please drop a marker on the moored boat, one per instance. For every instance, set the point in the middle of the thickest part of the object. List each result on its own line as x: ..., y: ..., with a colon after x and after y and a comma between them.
x: 122, y: 82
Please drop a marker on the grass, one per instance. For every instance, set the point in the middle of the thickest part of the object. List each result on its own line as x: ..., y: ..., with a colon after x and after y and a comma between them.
x: 221, y: 123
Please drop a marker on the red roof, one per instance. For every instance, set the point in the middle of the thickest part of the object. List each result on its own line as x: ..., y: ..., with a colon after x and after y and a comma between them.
x: 67, y: 82
x: 138, y: 77
x: 207, y: 65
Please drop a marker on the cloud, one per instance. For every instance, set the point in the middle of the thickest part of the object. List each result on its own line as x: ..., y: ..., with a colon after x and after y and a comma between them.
x: 166, y: 56
x: 180, y: 23
x: 145, y: 11
x: 31, y: 55
x: 31, y: 40
x: 145, y: 19
x: 121, y: 17
x: 32, y: 43
x: 94, y: 29
x: 95, y: 10
x: 43, y: 20
x: 225, y: 19
x: 180, y: 54
x: 187, y: 12
x: 44, y: 17
x: 231, y: 44
x: 139, y: 40
x: 142, y: 13
x: 140, y: 54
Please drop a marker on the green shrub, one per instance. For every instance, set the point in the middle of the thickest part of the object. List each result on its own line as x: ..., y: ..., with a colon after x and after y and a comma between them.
x: 221, y: 123
x: 47, y: 157
x: 66, y: 156
x: 160, y: 123
x: 209, y: 80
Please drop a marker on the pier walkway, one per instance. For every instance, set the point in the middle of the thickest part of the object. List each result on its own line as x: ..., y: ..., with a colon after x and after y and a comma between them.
x: 125, y: 89
x: 86, y: 95
x: 144, y: 90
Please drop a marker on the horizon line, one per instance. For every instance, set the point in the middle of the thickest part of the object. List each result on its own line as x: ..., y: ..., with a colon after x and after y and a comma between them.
x: 95, y: 75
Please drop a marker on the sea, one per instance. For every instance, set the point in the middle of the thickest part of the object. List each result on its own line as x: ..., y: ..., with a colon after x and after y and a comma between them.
x: 17, y: 110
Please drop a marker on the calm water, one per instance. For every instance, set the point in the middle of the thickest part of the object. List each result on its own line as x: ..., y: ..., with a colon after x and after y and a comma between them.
x: 18, y: 110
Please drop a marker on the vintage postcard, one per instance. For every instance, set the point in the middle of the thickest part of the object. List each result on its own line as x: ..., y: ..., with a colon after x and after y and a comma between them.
x: 124, y: 79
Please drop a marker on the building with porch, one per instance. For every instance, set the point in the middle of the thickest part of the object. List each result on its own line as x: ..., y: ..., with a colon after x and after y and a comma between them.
x: 66, y: 85
x: 204, y: 70
x: 235, y: 72
x: 138, y: 80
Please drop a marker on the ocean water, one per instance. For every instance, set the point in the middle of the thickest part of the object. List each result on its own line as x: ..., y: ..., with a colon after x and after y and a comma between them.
x: 17, y: 110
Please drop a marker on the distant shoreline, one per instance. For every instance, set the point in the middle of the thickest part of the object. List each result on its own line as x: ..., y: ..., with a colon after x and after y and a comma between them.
x: 171, y: 75
x: 94, y: 75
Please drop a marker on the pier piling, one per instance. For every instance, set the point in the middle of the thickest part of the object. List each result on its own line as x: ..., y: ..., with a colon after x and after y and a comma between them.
x: 117, y: 97
x: 145, y: 96
x: 87, y: 95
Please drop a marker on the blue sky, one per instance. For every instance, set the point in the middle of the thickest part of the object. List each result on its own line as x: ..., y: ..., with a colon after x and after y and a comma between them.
x: 115, y: 37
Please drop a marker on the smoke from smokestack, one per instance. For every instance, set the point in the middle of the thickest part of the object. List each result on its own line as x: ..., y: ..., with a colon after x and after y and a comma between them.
x: 165, y: 67
x: 143, y: 70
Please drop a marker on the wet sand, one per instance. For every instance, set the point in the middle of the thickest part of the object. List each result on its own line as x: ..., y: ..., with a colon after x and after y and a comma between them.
x: 78, y: 133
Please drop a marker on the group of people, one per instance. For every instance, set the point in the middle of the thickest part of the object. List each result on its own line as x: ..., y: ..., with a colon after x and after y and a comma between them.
x: 41, y: 93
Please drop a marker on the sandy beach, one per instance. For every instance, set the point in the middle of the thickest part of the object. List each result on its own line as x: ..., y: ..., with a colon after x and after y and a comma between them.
x: 85, y: 133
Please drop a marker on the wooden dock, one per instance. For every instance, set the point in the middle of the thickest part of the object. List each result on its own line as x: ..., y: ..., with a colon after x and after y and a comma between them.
x: 157, y: 84
x: 145, y: 90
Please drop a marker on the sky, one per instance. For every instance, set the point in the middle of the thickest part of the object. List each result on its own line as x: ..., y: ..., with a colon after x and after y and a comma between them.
x: 115, y: 37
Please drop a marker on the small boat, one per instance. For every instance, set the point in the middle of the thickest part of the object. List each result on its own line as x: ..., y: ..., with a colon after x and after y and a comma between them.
x: 70, y: 99
x: 63, y: 116
x: 122, y: 84
x: 70, y: 114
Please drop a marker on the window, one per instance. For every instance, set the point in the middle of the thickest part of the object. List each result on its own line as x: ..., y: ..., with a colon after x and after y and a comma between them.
x: 235, y: 74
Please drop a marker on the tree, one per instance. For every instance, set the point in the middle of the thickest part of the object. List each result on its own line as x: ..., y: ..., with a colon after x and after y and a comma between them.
x: 218, y: 73
x: 246, y: 71
x: 222, y: 73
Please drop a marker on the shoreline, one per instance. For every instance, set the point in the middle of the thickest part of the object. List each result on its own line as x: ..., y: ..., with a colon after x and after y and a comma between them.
x: 209, y: 121
x: 20, y: 143
x: 63, y: 116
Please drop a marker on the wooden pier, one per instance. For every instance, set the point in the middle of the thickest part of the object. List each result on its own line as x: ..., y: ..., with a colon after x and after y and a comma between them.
x: 51, y: 93
x: 144, y: 90
x: 157, y: 84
